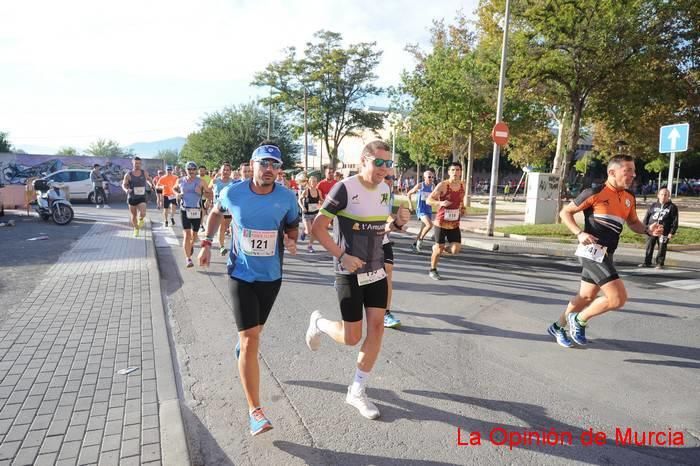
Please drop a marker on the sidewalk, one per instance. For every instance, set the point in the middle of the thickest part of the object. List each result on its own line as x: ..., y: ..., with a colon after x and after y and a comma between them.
x: 62, y: 400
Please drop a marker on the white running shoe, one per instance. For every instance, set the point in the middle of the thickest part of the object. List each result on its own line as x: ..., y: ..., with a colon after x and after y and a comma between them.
x: 361, y: 402
x: 313, y: 334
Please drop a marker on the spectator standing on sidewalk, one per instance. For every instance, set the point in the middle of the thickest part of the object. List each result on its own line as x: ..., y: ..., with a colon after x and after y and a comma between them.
x: 98, y: 191
x: 663, y: 212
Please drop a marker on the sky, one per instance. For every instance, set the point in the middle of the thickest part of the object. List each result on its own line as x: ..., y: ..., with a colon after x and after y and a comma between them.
x: 73, y: 71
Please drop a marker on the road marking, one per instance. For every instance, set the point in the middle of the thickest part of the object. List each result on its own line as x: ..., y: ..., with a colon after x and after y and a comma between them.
x: 165, y: 237
x: 682, y: 284
x: 651, y: 271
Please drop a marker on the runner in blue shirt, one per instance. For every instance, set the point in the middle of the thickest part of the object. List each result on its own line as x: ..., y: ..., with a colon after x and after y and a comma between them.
x: 265, y: 218
x: 424, y: 211
x: 216, y: 186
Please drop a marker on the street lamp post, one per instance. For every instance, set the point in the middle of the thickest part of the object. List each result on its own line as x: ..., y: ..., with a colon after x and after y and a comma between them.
x: 493, y: 188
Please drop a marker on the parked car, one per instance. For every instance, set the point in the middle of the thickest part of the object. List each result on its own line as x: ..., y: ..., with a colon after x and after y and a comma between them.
x: 76, y: 180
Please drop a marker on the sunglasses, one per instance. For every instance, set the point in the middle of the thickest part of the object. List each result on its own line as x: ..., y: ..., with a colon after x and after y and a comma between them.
x: 380, y: 162
x: 429, y: 177
x: 389, y: 178
x: 270, y: 164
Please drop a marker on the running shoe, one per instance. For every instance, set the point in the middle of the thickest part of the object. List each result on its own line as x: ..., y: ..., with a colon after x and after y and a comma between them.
x: 140, y: 223
x: 310, y: 249
x: 434, y: 275
x: 644, y: 265
x: 390, y: 321
x: 577, y: 331
x: 659, y: 267
x: 419, y: 244
x: 172, y: 222
x: 238, y: 350
x: 189, y: 264
x: 560, y: 335
x: 303, y: 235
x: 259, y: 423
x: 313, y: 334
x: 97, y: 206
x: 106, y: 206
x: 361, y: 402
x: 136, y: 232
x: 223, y: 251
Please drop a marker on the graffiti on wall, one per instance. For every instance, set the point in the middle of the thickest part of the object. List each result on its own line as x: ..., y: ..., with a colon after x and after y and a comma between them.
x: 17, y: 168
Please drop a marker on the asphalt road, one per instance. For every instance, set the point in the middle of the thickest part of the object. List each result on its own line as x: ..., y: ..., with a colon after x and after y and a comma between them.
x: 472, y: 356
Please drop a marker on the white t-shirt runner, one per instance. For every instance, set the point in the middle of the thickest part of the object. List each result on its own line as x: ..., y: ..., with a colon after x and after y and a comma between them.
x: 360, y: 220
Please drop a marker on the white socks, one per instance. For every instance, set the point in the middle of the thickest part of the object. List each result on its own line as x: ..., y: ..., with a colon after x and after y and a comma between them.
x: 360, y: 381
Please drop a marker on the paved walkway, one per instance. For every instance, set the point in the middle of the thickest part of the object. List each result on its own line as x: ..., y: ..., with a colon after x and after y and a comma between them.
x: 62, y: 398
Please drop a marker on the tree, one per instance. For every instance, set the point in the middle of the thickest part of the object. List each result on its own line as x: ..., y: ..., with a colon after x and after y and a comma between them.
x: 108, y: 148
x: 68, y: 151
x: 5, y: 145
x: 336, y: 82
x: 232, y: 134
x: 576, y: 51
x: 169, y: 156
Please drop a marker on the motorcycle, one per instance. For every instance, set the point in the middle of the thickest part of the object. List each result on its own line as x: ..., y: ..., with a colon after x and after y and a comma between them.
x: 51, y: 202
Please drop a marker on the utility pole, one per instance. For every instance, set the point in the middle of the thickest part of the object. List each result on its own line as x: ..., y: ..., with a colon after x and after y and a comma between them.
x: 493, y: 188
x: 306, y: 139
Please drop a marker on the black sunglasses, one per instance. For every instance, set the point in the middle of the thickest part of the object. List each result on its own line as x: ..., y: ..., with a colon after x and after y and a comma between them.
x: 380, y: 162
x: 389, y: 178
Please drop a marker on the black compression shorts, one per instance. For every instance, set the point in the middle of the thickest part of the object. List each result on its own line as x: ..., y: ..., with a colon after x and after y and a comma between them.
x: 252, y: 301
x: 353, y: 297
x: 388, y: 253
x: 598, y: 273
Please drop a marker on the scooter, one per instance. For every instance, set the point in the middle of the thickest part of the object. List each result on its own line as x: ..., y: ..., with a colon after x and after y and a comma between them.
x: 51, y: 202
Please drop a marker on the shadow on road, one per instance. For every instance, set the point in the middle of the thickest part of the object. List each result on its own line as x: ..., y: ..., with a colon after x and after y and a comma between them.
x: 393, y: 408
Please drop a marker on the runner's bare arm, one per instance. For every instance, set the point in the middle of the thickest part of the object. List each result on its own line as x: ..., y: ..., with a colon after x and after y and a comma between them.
x: 125, y: 183
x: 320, y: 230
x: 655, y: 229
x: 434, y: 198
x: 567, y: 216
x: 410, y: 195
x: 213, y: 222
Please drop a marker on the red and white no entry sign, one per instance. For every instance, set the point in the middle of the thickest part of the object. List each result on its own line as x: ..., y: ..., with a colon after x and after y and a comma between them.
x: 500, y: 133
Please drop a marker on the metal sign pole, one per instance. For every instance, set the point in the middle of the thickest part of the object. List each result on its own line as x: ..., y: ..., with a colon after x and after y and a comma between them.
x: 671, y: 165
x: 493, y: 188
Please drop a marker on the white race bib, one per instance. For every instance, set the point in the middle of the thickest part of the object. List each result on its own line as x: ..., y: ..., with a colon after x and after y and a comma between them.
x: 259, y: 242
x: 370, y: 277
x: 172, y: 198
x: 193, y: 213
x: 594, y: 252
x: 313, y: 207
x: 452, y: 214
x: 139, y: 191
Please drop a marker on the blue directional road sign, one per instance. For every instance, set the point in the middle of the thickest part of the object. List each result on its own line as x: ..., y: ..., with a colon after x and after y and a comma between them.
x: 673, y: 138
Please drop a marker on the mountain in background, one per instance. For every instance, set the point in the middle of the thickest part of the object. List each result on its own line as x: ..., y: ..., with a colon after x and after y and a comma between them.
x: 150, y: 149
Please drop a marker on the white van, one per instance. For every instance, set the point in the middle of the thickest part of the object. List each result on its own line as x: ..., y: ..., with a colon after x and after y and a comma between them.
x: 76, y: 180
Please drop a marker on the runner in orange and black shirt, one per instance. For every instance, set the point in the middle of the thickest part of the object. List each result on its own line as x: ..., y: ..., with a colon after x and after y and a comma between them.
x: 605, y: 209
x: 450, y: 197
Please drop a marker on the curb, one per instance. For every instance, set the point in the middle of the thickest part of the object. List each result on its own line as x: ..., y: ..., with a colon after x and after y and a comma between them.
x: 555, y: 250
x: 172, y: 427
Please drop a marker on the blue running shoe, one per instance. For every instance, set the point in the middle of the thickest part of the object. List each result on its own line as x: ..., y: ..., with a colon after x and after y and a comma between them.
x: 560, y: 335
x: 238, y: 350
x: 577, y: 331
x: 390, y: 321
x: 259, y: 423
x: 303, y: 235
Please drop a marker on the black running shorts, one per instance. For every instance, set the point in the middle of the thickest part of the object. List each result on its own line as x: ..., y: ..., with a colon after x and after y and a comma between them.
x: 190, y: 223
x: 252, y: 301
x: 352, y: 297
x: 598, y: 273
x: 134, y: 201
x: 443, y: 236
x: 167, y: 202
x: 388, y: 253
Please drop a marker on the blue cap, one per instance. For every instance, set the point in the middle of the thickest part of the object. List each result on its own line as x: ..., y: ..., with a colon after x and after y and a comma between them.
x: 191, y: 164
x: 267, y: 152
x: 168, y: 168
